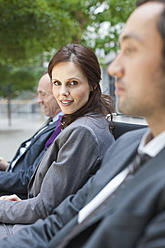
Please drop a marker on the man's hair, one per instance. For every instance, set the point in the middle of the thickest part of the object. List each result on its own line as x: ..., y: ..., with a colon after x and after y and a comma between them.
x: 160, y: 23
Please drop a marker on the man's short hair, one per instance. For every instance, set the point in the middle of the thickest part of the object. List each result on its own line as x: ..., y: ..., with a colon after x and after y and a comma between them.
x: 160, y: 23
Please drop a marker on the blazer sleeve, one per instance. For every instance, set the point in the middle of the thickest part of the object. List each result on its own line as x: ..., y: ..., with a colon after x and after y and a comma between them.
x: 15, y: 183
x: 46, y: 230
x: 77, y: 159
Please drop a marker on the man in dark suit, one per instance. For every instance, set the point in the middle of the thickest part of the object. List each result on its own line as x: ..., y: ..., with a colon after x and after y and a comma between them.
x: 15, y: 175
x: 123, y: 205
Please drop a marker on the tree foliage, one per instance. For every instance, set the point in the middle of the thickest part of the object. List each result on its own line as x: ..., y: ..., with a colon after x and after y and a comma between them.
x: 31, y: 29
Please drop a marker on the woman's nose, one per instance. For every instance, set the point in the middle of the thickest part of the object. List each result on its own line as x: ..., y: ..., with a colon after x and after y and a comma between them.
x: 64, y: 91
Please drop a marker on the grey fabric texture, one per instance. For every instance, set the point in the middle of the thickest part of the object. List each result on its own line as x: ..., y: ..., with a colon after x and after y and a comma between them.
x: 73, y: 157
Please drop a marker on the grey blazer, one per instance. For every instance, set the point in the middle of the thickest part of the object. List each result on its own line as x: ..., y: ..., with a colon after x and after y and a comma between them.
x: 133, y: 218
x: 73, y: 157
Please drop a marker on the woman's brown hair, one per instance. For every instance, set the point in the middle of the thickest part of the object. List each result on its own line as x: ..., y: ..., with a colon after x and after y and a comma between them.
x: 86, y: 59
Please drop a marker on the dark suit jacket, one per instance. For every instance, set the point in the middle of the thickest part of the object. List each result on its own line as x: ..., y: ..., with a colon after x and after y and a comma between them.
x: 133, y: 217
x: 17, y: 180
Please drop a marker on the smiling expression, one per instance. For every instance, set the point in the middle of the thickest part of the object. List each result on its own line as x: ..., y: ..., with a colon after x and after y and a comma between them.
x: 46, y: 98
x: 70, y: 87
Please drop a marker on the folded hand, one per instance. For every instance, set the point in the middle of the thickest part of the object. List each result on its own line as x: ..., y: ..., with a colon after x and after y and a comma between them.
x: 3, y: 164
x: 10, y: 198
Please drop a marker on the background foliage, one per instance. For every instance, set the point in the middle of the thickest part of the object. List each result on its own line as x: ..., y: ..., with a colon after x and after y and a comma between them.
x: 32, y: 30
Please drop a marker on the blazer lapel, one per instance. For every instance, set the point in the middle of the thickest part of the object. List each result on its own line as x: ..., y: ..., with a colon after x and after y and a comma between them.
x: 123, y: 154
x: 51, y: 126
x: 33, y: 139
x: 111, y: 167
x: 150, y: 168
x: 120, y: 161
x: 45, y: 165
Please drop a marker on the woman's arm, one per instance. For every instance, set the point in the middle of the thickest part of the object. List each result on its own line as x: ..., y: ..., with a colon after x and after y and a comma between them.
x: 77, y: 159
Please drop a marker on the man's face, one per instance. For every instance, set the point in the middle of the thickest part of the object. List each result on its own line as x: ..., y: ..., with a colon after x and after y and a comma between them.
x: 140, y: 79
x: 46, y: 98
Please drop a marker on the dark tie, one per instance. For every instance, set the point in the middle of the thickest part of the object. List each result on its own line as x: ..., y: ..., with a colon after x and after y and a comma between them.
x: 137, y: 162
x: 55, y: 133
x: 68, y: 241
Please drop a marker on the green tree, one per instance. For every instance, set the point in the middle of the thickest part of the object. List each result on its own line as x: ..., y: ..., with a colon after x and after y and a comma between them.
x: 31, y: 30
x: 30, y: 27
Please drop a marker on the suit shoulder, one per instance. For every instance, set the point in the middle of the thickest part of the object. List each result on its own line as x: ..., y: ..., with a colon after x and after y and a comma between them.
x: 89, y: 126
x: 134, y: 134
x: 90, y: 121
x: 128, y: 140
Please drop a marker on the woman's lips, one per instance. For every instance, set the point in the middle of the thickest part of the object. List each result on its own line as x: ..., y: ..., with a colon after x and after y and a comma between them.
x: 66, y: 103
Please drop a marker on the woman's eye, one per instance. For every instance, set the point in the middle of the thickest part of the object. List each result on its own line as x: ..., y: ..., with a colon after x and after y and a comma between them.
x: 73, y: 83
x: 56, y: 83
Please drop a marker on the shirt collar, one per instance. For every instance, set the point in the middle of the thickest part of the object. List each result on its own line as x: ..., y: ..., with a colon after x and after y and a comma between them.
x: 55, y: 118
x: 151, y: 146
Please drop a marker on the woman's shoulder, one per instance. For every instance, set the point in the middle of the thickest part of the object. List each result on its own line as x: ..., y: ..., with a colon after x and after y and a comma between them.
x: 89, y: 124
x: 96, y: 129
x: 90, y: 121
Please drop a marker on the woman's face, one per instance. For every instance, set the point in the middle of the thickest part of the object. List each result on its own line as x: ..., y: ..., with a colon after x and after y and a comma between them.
x: 70, y: 87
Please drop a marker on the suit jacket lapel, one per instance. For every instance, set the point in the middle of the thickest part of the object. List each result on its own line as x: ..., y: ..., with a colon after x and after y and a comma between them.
x: 51, y: 126
x: 33, y: 140
x: 120, y: 161
x: 123, y: 155
x: 150, y: 168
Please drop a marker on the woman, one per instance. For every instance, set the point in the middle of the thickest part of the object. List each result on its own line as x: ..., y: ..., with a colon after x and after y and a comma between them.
x: 77, y: 151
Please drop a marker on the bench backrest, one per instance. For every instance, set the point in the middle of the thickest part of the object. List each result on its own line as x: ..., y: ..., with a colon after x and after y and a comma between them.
x: 122, y: 127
